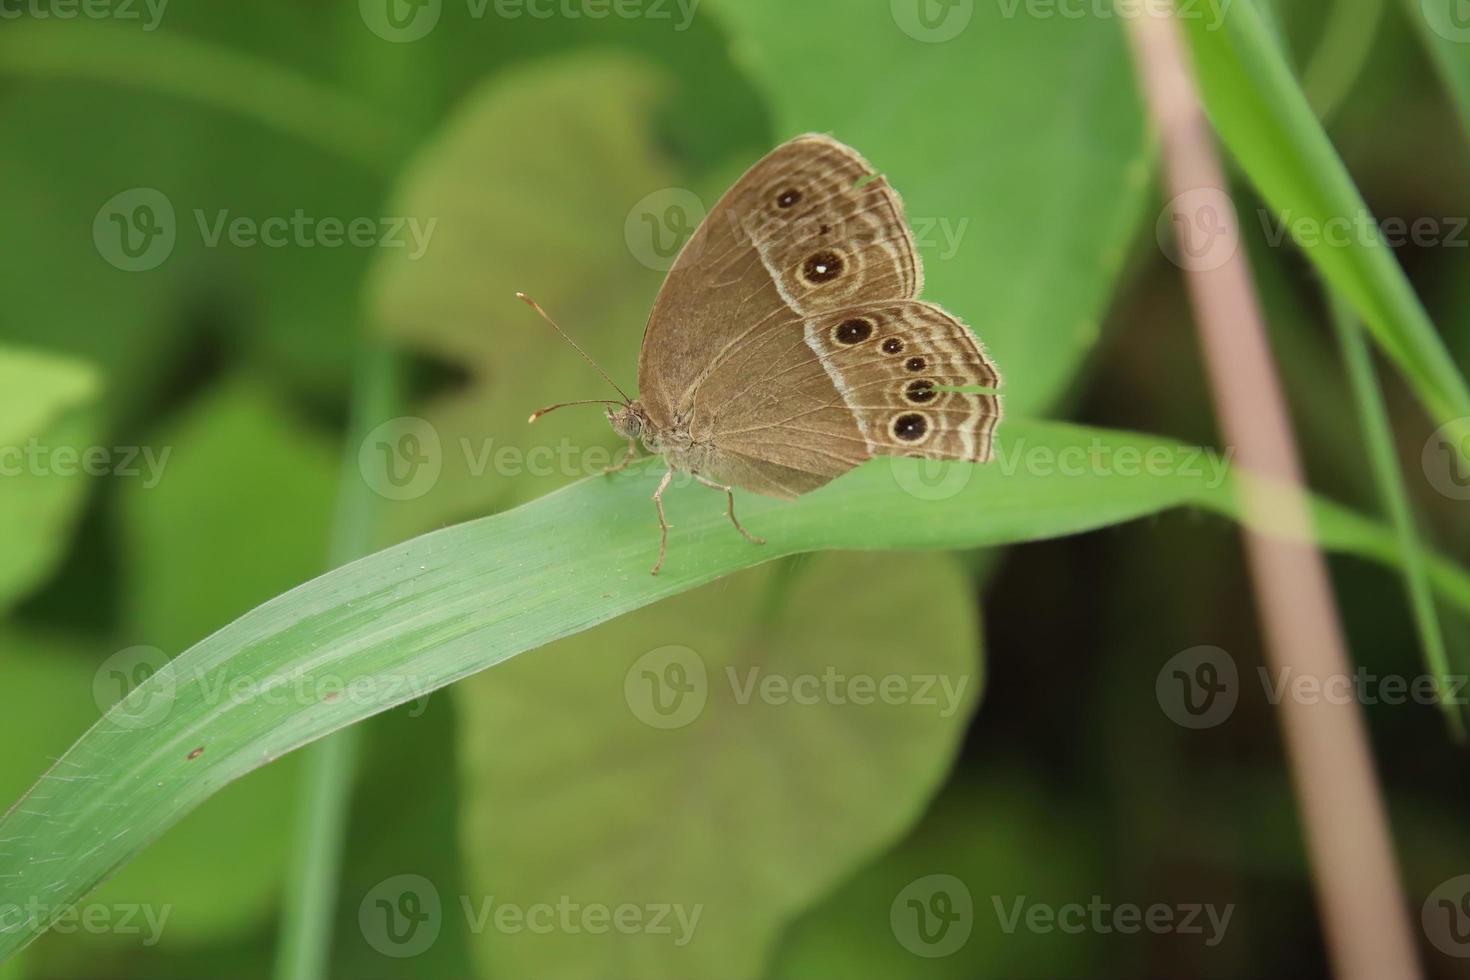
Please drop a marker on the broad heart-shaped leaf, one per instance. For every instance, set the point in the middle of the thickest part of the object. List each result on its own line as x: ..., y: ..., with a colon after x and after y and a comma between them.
x: 44, y: 408
x: 979, y: 845
x: 544, y: 215
x: 1016, y: 141
x: 742, y: 746
x: 425, y: 613
x: 557, y: 210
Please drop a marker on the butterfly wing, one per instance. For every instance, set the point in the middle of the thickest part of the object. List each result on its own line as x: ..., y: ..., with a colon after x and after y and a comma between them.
x: 809, y: 228
x: 788, y: 338
x: 890, y: 370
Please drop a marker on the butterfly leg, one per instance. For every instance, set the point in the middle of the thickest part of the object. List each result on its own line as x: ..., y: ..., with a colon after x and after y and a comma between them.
x: 627, y: 458
x: 730, y: 499
x: 663, y: 525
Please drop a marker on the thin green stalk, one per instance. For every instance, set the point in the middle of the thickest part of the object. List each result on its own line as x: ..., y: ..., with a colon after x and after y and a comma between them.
x: 1373, y: 418
x: 310, y: 901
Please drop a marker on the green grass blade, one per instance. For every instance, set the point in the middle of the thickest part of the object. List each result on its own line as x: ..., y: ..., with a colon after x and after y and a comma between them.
x: 418, y: 616
x: 1373, y: 418
x: 1268, y: 125
x: 308, y: 911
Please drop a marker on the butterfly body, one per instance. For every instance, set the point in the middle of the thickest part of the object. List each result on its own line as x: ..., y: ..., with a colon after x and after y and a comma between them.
x: 788, y: 343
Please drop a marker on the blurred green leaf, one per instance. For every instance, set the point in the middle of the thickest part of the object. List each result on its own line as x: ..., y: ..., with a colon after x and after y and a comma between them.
x: 1016, y: 141
x: 1441, y: 27
x: 234, y: 476
x: 114, y: 52
x: 999, y: 841
x: 237, y: 477
x: 545, y: 216
x: 47, y: 426
x: 730, y: 798
x: 213, y: 876
x: 1265, y: 120
x: 219, y: 136
x: 408, y: 620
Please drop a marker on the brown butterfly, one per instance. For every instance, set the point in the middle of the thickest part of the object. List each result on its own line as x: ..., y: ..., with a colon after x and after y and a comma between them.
x: 788, y: 345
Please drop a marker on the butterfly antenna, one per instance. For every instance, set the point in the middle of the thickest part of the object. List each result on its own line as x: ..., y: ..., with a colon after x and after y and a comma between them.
x: 586, y: 401
x: 537, y: 307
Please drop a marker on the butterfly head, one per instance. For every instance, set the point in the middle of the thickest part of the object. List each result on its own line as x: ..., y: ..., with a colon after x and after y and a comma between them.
x: 628, y: 420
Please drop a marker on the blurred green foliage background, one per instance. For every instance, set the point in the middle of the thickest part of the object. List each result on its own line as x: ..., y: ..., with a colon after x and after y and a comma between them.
x: 527, y: 141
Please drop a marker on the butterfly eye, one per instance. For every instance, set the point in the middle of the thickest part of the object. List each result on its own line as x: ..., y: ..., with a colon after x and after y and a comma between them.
x: 788, y: 197
x: 853, y: 331
x: 893, y: 346
x: 920, y: 392
x: 910, y: 427
x: 916, y: 364
x: 823, y: 266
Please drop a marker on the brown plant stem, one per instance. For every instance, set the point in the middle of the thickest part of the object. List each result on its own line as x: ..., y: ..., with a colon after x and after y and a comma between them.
x: 1355, y: 874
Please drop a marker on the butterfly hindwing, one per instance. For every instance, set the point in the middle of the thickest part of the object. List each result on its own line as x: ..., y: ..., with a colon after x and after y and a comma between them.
x: 898, y: 367
x: 832, y: 390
